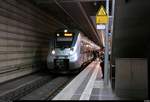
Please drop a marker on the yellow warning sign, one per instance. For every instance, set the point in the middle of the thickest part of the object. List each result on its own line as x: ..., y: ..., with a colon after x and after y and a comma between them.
x: 101, y: 12
x: 101, y: 16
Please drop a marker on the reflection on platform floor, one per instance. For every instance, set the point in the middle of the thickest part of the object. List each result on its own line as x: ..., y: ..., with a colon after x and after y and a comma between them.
x: 88, y: 85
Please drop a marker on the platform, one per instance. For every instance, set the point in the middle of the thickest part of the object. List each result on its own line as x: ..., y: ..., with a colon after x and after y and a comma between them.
x: 88, y: 85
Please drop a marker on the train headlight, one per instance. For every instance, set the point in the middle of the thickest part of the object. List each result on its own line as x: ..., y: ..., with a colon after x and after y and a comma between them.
x: 53, y: 52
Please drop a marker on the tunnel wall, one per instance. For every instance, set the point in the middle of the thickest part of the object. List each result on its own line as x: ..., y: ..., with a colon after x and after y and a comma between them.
x: 25, y: 33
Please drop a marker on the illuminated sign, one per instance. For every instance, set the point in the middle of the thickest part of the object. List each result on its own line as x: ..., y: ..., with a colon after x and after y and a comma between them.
x: 100, y: 26
x: 68, y: 34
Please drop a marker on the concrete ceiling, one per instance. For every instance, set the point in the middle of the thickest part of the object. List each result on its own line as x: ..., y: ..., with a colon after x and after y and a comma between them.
x: 74, y: 13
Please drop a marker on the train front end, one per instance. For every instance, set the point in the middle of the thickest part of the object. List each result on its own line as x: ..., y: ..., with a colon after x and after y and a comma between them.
x: 65, y: 55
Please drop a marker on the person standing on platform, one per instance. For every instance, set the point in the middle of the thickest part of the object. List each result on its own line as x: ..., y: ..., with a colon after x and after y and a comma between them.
x: 94, y: 55
x: 102, y: 62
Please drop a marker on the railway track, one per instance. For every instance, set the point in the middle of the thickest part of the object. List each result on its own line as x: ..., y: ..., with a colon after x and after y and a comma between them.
x: 17, y: 88
x: 49, y: 90
x: 38, y: 86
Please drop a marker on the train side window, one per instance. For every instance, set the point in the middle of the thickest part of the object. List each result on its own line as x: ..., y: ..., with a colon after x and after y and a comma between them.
x: 81, y: 49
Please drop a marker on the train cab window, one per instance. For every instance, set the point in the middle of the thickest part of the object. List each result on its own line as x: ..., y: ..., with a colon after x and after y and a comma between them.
x: 64, y: 40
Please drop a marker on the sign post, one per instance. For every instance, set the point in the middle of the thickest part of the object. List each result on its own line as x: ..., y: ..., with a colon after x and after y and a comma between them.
x: 106, y: 69
x: 102, y: 19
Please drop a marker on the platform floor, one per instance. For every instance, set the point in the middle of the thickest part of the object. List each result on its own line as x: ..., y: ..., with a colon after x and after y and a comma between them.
x: 88, y: 85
